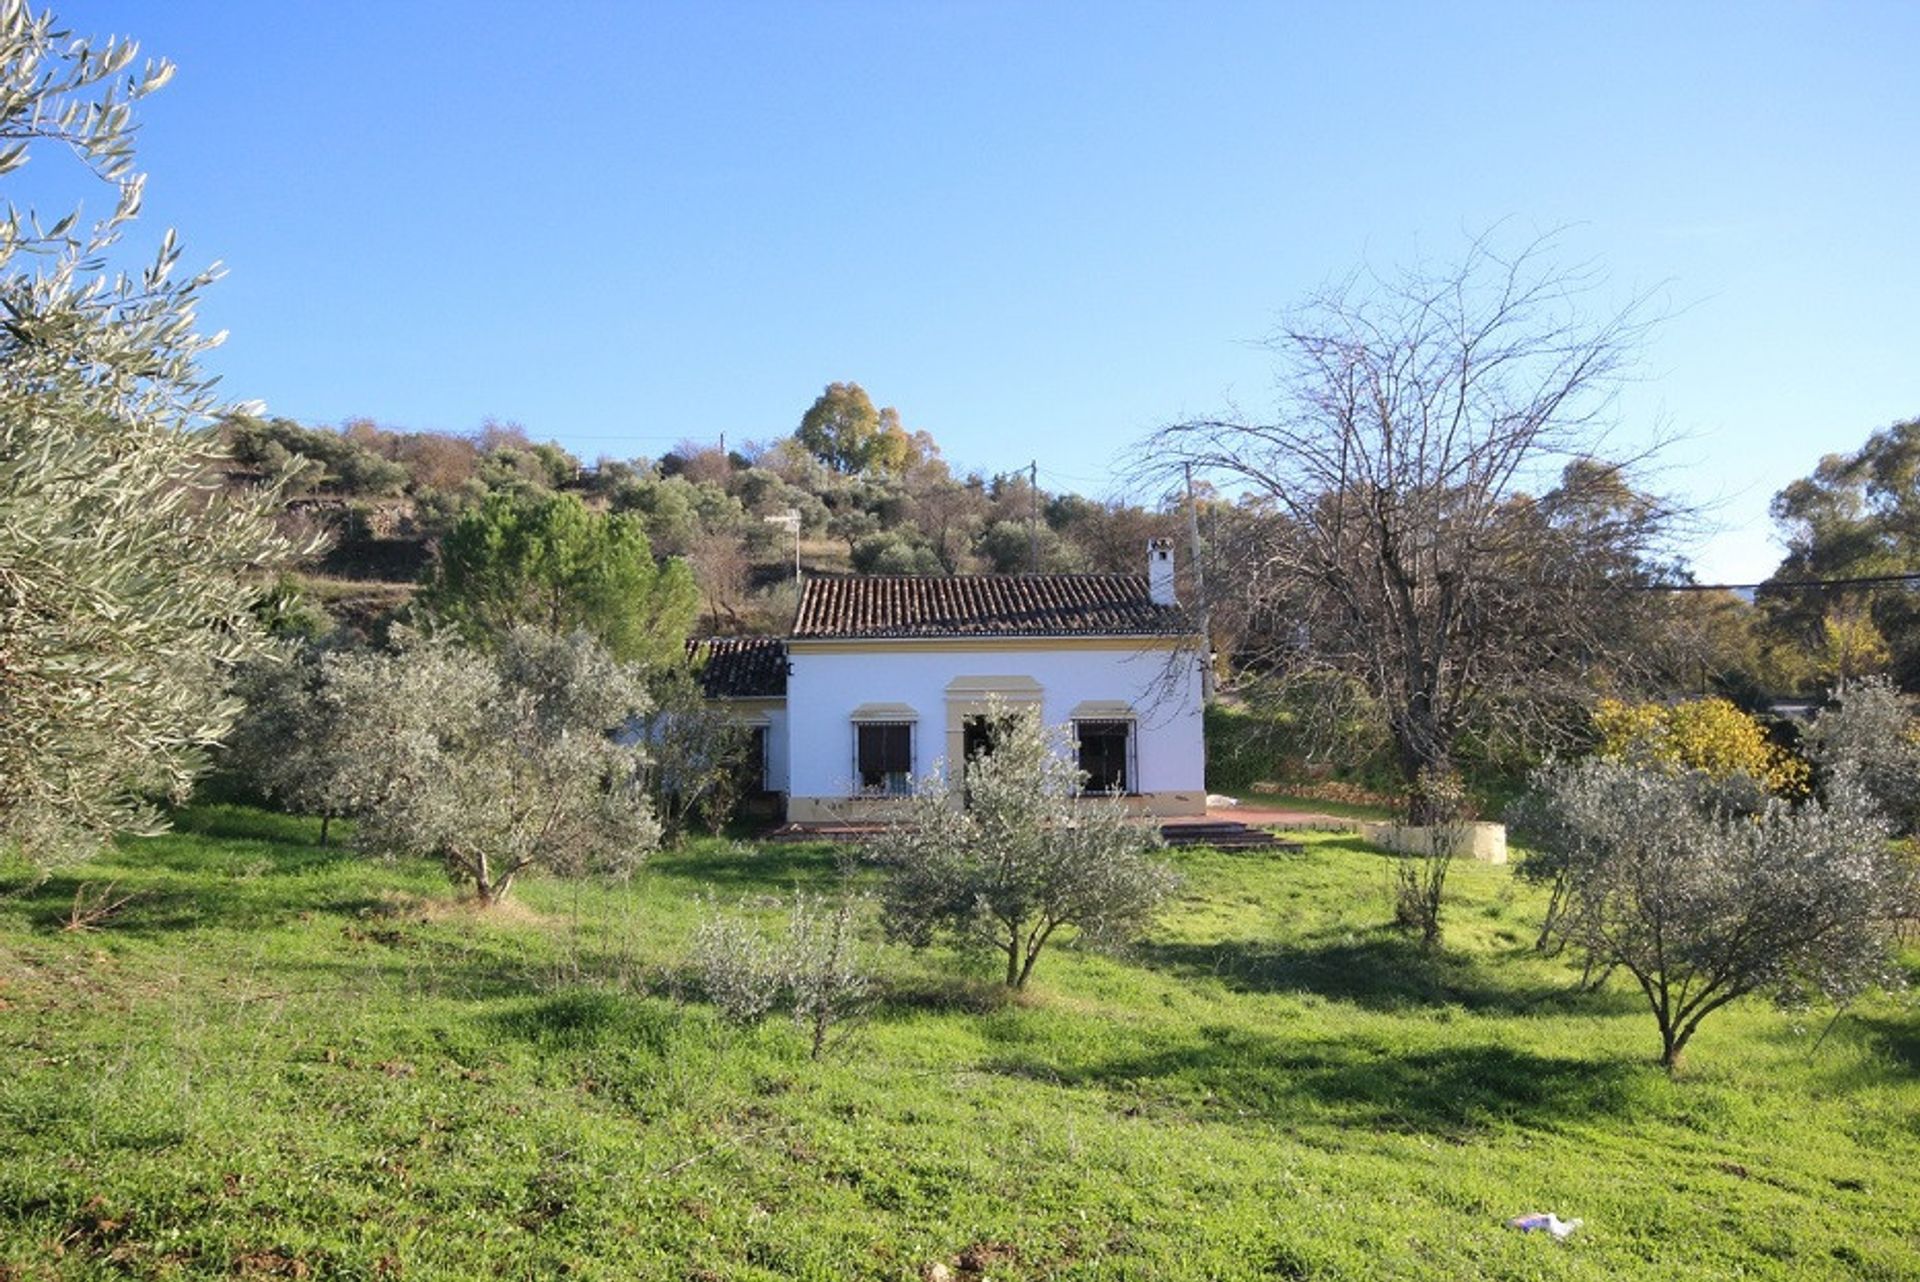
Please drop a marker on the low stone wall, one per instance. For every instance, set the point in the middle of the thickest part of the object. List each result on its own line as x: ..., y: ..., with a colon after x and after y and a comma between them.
x: 1485, y: 842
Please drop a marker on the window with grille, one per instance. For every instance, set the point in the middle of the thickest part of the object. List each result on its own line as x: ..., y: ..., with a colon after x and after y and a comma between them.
x: 1106, y: 755
x: 883, y: 757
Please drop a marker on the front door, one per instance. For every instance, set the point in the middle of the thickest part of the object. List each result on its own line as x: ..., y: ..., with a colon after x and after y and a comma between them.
x: 976, y: 740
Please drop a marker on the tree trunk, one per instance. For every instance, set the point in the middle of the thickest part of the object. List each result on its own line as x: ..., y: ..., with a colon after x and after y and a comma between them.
x: 326, y: 818
x: 1556, y: 904
x: 483, y: 888
x: 1671, y: 1046
x: 1416, y: 747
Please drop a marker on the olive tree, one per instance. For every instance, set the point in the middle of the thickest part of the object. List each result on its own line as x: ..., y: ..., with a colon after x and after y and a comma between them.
x: 1025, y: 855
x: 288, y: 739
x: 817, y: 971
x: 128, y: 572
x: 495, y: 764
x: 1706, y: 891
x: 1868, y: 732
x: 697, y: 754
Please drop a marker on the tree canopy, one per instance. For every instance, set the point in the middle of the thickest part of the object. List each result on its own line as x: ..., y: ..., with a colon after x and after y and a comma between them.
x: 845, y: 431
x: 544, y: 559
x: 494, y: 765
x: 1428, y: 511
x: 128, y: 572
x: 1856, y: 516
x: 1706, y: 893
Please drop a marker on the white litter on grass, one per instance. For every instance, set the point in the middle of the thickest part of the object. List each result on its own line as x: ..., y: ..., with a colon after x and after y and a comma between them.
x: 1551, y: 1223
x: 1217, y: 802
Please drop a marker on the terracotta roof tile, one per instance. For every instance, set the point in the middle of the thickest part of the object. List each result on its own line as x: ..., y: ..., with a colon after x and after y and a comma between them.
x: 740, y: 667
x: 1001, y: 605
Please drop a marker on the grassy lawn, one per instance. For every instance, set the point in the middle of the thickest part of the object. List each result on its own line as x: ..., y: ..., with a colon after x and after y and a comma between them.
x: 287, y: 1062
x: 1309, y: 805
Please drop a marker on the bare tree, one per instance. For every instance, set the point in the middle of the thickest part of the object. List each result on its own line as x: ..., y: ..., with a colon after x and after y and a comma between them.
x: 722, y: 569
x: 1425, y: 512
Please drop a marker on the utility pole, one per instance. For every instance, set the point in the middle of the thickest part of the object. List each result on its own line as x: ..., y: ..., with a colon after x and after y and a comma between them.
x: 1200, y: 591
x: 1033, y: 517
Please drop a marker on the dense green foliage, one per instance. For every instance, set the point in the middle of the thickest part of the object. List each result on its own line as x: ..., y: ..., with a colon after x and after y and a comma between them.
x: 1857, y: 515
x: 283, y: 1058
x: 843, y: 430
x: 128, y: 576
x: 547, y: 561
x: 318, y: 460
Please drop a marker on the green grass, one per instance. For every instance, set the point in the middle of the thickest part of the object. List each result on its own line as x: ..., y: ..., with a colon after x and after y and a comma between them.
x: 285, y: 1061
x: 1309, y: 805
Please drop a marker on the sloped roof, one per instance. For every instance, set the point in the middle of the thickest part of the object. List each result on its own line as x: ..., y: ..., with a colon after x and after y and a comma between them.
x: 997, y: 605
x: 740, y: 667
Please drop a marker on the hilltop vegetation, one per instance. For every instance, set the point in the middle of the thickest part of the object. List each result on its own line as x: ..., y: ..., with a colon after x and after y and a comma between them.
x: 385, y: 500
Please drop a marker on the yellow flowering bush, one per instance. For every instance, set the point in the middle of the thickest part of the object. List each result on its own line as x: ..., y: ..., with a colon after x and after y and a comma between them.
x: 1708, y: 735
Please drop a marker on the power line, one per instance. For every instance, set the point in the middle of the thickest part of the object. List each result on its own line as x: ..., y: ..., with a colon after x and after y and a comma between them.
x: 1858, y: 581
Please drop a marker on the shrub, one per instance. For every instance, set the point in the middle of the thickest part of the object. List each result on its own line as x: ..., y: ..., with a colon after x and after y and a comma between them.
x: 816, y: 971
x: 1866, y: 731
x: 1420, y: 877
x: 1706, y: 891
x: 1025, y: 856
x: 494, y: 766
x: 1708, y: 735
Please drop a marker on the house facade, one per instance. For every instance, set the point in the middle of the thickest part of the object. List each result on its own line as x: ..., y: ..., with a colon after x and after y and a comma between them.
x: 885, y: 683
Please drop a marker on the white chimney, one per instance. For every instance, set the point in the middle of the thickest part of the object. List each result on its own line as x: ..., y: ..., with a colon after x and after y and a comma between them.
x: 1160, y: 572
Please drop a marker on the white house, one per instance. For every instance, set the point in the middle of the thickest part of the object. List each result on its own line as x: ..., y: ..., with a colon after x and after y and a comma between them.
x: 885, y: 680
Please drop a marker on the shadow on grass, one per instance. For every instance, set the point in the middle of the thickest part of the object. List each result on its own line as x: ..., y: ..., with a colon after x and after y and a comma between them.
x: 1898, y: 1040
x: 235, y: 903
x: 942, y: 995
x: 220, y: 867
x: 774, y: 868
x: 589, y: 1018
x: 1380, y: 971
x: 1451, y: 1090
x: 247, y: 823
x: 432, y: 965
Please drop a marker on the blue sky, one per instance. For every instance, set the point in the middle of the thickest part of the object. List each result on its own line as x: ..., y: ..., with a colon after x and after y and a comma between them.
x: 1038, y: 229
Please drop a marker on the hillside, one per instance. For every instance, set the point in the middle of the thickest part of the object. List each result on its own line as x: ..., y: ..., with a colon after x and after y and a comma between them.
x: 383, y: 498
x: 284, y: 1061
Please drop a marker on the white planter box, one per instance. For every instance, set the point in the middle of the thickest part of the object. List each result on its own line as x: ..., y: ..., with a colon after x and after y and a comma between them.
x: 1485, y: 842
